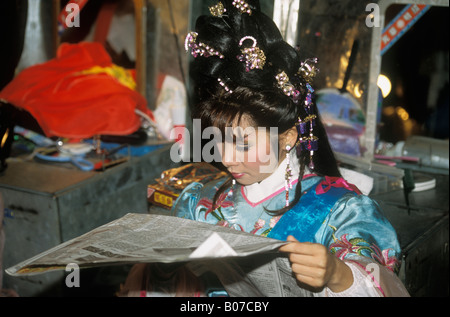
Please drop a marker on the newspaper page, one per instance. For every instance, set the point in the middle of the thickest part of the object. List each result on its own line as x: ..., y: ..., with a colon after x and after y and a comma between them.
x: 147, y: 238
x: 257, y: 275
x: 279, y: 270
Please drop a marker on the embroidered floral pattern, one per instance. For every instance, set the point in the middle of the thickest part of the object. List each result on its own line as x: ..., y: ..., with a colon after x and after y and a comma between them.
x: 344, y: 246
x: 382, y: 256
x: 258, y: 225
x: 208, y: 206
x: 272, y: 223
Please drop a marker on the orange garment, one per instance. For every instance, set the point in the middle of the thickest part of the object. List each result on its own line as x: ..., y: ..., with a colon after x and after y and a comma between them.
x: 78, y: 94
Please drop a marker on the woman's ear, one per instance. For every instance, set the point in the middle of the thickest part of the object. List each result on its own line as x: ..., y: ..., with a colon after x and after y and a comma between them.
x: 289, y: 137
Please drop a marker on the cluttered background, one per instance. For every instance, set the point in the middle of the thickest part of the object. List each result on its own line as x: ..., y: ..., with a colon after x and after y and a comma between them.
x: 94, y: 93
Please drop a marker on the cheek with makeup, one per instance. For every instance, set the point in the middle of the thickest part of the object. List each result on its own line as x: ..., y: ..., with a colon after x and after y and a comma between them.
x: 251, y: 159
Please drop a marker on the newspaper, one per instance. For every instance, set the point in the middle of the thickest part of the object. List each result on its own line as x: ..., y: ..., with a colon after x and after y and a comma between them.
x: 249, y: 264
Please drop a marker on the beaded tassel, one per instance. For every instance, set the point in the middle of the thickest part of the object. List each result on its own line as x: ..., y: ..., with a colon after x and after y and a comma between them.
x: 288, y: 175
x: 308, y: 143
x: 312, y: 143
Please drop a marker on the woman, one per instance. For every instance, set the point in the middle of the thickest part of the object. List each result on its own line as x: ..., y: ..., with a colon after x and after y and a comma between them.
x: 284, y: 182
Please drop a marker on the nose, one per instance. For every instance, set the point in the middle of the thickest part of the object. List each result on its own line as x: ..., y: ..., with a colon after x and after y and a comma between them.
x: 229, y: 164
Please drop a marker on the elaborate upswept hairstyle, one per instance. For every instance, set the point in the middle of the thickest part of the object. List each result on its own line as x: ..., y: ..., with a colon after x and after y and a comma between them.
x: 242, y: 66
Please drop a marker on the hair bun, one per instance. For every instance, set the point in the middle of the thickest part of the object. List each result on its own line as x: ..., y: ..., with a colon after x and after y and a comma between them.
x: 250, y: 49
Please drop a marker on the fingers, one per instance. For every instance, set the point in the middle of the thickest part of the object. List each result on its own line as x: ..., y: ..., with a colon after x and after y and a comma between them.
x: 307, y: 254
x: 310, y: 262
x: 313, y: 277
x: 290, y: 246
x: 314, y: 265
x: 292, y: 238
x: 317, y: 261
x: 305, y: 248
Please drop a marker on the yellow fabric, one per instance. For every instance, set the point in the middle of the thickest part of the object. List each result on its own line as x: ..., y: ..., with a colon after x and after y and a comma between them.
x: 121, y: 74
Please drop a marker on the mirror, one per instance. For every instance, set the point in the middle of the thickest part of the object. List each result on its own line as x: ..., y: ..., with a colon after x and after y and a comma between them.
x: 416, y: 66
x: 374, y: 106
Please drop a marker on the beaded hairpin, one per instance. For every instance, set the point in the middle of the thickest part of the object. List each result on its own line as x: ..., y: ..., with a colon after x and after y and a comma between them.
x: 221, y: 83
x: 200, y: 49
x: 217, y: 10
x: 253, y: 57
x: 242, y: 6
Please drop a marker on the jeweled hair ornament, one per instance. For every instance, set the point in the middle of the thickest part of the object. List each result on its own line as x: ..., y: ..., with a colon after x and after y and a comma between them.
x: 217, y: 10
x: 242, y: 6
x: 308, y: 69
x: 285, y: 85
x: 253, y: 57
x: 309, y: 143
x: 221, y: 83
x: 199, y: 49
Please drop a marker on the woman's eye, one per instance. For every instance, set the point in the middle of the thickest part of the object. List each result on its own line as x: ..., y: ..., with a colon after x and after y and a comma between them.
x: 242, y: 147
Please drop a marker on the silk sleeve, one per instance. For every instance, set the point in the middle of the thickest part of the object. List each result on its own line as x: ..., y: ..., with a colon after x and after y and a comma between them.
x: 184, y: 206
x: 357, y: 232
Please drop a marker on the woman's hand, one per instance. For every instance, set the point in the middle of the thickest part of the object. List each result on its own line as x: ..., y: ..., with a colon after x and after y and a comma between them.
x: 313, y: 265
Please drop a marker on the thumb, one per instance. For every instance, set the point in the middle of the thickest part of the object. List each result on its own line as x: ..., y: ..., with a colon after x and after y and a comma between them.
x: 288, y: 247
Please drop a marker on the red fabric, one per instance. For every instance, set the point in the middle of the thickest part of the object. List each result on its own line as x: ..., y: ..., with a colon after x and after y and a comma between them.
x: 68, y: 104
x: 329, y: 182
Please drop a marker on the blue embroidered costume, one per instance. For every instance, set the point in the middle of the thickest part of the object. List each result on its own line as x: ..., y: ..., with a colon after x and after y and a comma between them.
x: 331, y: 212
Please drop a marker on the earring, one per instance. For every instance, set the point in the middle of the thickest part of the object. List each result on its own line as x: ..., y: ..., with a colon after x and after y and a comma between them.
x: 233, y: 184
x: 288, y: 175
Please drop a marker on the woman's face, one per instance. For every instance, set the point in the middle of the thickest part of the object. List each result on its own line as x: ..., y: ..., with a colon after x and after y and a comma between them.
x: 250, y: 154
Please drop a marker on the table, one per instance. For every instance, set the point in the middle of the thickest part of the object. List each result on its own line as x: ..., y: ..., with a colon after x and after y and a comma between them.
x: 423, y: 232
x: 49, y: 205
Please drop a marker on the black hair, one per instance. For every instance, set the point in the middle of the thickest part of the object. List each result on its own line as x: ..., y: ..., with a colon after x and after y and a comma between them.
x: 255, y: 92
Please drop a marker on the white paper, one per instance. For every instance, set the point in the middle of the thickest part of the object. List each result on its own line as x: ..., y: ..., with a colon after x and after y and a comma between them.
x: 246, y: 264
x: 214, y: 246
x: 146, y: 238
